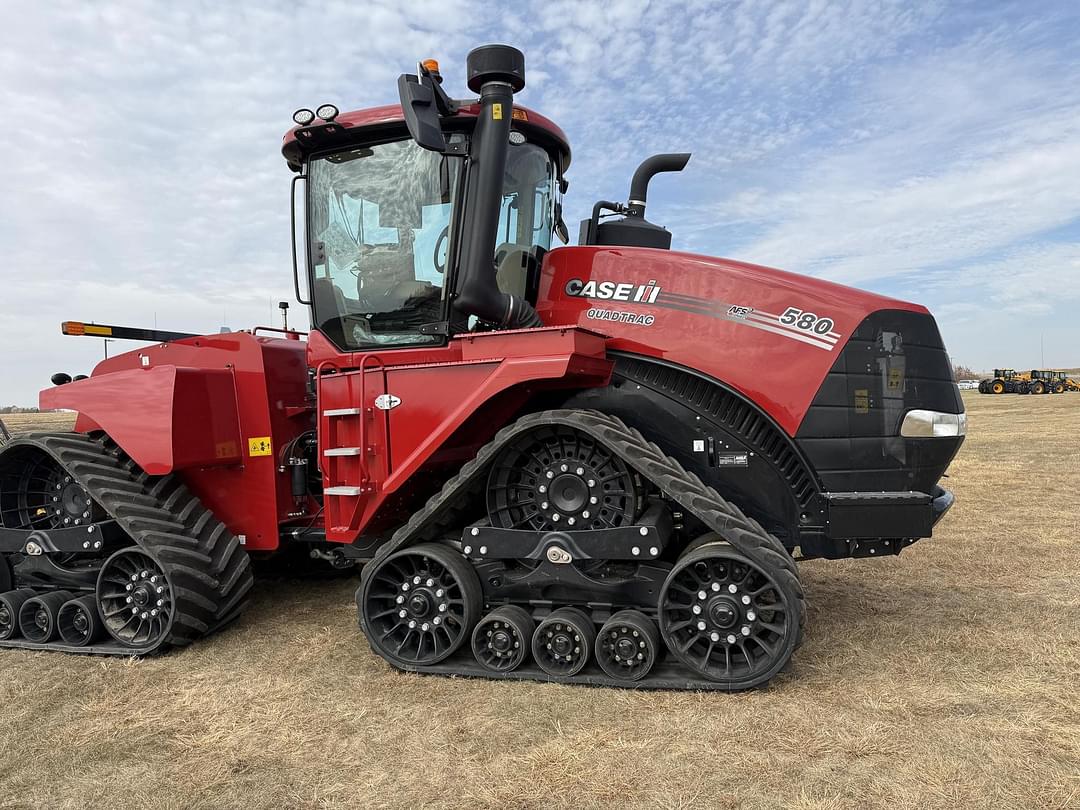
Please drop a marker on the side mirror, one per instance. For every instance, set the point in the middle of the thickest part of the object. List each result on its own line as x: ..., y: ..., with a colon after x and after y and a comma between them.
x: 418, y: 104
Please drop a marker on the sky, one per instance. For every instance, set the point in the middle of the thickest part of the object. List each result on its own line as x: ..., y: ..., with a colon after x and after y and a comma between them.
x: 927, y: 151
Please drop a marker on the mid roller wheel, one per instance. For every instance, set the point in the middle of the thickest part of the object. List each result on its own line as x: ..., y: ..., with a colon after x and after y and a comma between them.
x: 79, y: 621
x: 562, y: 642
x: 501, y: 640
x: 135, y: 598
x: 728, y: 618
x: 37, y: 616
x: 628, y: 645
x: 420, y: 604
x: 10, y: 605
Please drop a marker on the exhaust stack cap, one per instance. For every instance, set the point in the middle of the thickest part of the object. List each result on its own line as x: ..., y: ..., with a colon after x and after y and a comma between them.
x: 639, y: 186
x: 495, y: 63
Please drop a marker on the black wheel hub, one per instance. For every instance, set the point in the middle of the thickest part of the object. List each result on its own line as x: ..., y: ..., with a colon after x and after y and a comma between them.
x: 723, y: 612
x: 570, y: 491
x: 41, y: 619
x: 625, y: 649
x: 557, y: 478
x: 501, y: 640
x: 561, y: 643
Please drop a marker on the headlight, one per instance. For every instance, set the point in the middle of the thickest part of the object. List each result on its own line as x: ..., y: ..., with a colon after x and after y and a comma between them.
x: 926, y: 424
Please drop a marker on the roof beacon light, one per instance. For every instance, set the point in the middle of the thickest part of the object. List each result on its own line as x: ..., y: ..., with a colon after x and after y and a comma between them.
x: 327, y: 112
x: 303, y: 116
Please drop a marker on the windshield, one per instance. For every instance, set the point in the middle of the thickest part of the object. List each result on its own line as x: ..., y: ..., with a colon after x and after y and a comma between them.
x: 525, y: 219
x: 380, y: 226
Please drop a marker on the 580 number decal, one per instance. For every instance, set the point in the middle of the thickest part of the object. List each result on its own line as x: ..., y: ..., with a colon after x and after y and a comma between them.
x: 807, y: 321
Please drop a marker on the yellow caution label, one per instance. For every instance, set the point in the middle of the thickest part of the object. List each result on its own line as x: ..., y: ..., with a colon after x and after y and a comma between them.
x: 496, y: 112
x: 896, y: 377
x: 862, y: 400
x: 261, y: 446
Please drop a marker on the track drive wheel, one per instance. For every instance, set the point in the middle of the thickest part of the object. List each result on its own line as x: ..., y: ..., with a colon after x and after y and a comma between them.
x: 628, y: 645
x: 501, y: 640
x: 1038, y: 387
x: 997, y: 387
x: 557, y: 477
x: 1059, y: 388
x: 420, y: 604
x: 563, y: 641
x: 729, y: 618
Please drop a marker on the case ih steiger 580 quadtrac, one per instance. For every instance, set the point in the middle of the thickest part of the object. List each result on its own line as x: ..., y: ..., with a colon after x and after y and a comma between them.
x: 588, y: 464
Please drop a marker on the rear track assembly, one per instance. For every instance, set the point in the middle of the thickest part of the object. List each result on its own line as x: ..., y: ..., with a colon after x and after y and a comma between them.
x: 184, y: 576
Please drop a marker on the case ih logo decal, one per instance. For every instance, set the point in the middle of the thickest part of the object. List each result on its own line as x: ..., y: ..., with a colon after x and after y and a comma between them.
x: 613, y: 291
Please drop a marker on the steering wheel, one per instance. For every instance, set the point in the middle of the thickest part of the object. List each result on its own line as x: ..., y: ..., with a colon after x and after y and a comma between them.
x: 440, y: 267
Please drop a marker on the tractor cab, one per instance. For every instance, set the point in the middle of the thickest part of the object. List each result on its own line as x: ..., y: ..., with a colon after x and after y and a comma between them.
x: 429, y: 218
x: 381, y: 232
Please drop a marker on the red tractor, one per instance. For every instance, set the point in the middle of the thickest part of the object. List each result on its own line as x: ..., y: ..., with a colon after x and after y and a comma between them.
x: 587, y: 464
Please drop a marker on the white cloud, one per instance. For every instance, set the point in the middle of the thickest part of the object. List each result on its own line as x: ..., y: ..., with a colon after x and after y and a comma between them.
x: 916, y: 148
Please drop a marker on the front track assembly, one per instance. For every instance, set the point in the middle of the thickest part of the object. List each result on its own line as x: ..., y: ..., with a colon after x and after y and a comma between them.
x: 554, y: 555
x: 99, y: 557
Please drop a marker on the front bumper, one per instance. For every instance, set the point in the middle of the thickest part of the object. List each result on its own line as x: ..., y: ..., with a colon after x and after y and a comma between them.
x: 875, y: 524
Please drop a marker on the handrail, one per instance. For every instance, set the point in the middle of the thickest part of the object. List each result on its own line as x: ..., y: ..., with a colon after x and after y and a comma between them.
x: 365, y: 473
x: 292, y: 220
x: 319, y: 438
x: 296, y: 332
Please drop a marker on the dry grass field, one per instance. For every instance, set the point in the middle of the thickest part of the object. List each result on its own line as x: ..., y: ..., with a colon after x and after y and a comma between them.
x: 945, y: 678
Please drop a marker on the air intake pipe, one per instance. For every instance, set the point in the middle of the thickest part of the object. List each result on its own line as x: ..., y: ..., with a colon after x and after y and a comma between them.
x: 639, y: 185
x: 496, y: 72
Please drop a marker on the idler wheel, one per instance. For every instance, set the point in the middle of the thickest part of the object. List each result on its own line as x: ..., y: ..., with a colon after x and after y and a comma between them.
x: 135, y: 598
x: 420, y: 604
x: 729, y: 618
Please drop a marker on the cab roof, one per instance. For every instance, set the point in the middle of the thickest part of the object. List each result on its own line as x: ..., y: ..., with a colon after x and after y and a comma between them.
x: 350, y: 126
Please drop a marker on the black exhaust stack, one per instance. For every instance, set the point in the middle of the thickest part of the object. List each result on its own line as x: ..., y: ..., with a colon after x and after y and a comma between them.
x: 496, y: 72
x: 633, y: 230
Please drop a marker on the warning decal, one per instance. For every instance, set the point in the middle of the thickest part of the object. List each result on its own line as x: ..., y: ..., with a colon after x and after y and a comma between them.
x: 261, y: 446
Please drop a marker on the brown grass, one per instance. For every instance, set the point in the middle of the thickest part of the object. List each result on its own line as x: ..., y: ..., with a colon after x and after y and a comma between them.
x: 944, y: 678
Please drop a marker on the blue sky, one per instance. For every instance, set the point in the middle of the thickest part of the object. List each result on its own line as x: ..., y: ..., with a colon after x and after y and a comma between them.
x: 929, y: 151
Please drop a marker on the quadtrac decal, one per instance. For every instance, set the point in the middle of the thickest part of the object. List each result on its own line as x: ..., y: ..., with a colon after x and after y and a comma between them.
x: 615, y: 291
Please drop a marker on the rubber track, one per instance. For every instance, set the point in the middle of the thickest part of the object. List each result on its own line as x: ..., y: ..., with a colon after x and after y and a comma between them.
x: 208, y: 569
x: 443, y: 512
